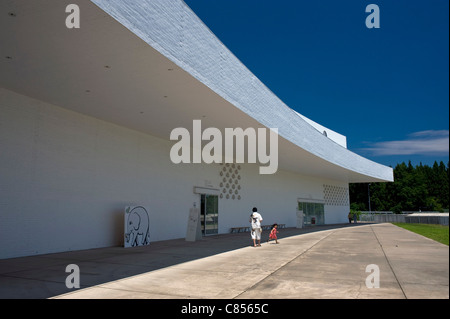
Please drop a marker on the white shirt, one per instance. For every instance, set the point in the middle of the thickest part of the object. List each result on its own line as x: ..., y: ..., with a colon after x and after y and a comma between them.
x: 256, y: 220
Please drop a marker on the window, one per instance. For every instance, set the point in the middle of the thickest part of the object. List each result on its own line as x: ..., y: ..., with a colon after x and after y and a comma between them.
x: 209, y: 214
x: 313, y: 213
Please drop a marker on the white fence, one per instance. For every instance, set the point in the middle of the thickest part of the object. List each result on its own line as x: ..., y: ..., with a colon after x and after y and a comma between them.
x: 405, y: 217
x: 441, y: 219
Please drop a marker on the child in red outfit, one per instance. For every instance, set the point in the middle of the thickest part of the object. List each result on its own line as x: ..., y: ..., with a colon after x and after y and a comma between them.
x: 273, y: 233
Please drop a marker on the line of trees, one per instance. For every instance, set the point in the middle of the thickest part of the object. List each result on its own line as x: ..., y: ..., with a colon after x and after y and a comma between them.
x: 419, y: 188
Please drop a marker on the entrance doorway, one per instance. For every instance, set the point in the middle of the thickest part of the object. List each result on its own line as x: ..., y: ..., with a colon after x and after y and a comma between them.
x: 209, y: 214
x: 313, y: 213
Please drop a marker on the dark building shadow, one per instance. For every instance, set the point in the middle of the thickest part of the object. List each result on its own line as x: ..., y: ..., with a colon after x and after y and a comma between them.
x: 45, y: 276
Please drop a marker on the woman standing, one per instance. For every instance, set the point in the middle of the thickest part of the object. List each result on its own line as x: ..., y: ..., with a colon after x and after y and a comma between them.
x: 255, y: 219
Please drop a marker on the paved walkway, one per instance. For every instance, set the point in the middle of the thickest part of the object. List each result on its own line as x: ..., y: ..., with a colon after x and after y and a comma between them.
x: 317, y: 262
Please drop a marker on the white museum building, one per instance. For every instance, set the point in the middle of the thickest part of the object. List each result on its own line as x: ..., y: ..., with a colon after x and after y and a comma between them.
x: 86, y: 116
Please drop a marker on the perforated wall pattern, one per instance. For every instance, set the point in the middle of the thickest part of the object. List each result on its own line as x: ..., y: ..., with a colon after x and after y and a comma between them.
x: 336, y: 195
x: 230, y: 179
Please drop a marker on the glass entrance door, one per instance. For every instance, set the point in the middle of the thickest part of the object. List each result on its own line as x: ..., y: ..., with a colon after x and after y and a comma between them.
x: 209, y: 214
x: 313, y: 213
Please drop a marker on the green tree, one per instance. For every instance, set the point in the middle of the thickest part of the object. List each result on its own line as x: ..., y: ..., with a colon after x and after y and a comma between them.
x: 414, y: 188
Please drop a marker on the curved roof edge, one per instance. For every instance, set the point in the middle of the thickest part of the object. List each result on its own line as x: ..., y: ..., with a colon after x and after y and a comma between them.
x: 173, y: 29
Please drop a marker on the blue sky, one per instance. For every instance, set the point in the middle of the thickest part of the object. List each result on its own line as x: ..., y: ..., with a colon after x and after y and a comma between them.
x: 385, y: 89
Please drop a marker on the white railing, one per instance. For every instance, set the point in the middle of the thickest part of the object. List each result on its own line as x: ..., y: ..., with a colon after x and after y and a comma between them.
x: 404, y: 217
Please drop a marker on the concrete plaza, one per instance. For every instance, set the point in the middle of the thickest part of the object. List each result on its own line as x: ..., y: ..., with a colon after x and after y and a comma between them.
x: 319, y: 262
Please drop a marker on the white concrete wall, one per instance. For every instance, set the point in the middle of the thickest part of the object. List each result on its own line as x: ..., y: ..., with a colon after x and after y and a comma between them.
x: 275, y: 196
x: 65, y: 179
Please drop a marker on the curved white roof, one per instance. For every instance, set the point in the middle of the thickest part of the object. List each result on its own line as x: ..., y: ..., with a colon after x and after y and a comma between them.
x: 155, y: 67
x: 174, y: 30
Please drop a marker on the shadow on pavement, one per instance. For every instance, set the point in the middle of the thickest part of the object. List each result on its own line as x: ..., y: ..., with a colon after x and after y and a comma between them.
x: 45, y: 276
